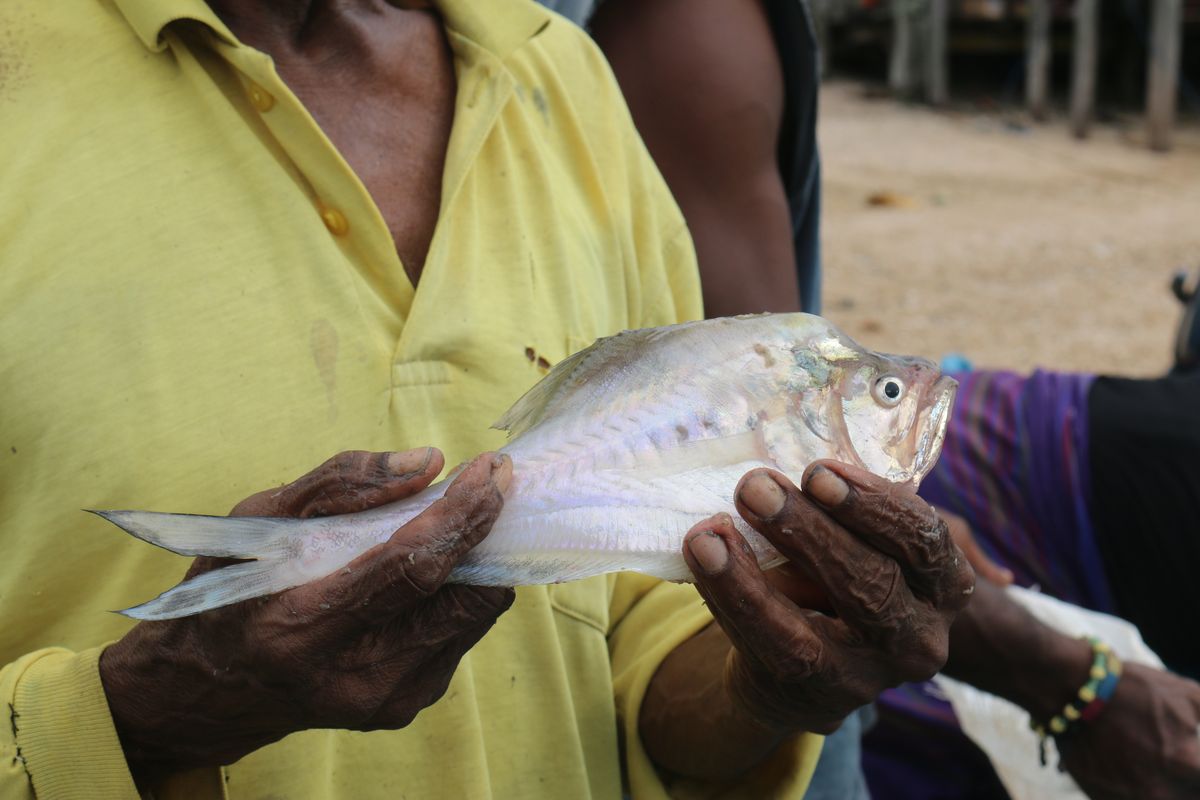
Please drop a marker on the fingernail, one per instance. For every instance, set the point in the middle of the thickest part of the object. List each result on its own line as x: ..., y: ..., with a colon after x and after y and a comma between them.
x: 502, y: 470
x: 762, y: 495
x: 827, y: 487
x: 409, y: 462
x: 709, y: 551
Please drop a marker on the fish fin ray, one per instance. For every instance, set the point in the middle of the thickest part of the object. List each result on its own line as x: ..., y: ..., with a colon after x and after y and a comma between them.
x: 220, y: 587
x: 197, y: 535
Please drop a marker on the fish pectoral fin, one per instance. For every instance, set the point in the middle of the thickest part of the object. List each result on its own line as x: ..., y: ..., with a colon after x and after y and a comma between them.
x: 749, y: 446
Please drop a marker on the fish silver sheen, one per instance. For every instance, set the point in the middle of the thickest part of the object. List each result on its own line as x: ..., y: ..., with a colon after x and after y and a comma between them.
x: 616, y: 454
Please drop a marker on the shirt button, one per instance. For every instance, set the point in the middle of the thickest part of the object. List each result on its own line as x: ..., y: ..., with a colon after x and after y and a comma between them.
x: 260, y: 97
x: 335, y: 221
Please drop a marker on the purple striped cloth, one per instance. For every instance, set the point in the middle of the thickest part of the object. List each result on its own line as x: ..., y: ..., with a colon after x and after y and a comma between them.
x: 1015, y: 465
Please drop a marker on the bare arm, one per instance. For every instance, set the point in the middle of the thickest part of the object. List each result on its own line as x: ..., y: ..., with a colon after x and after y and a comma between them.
x: 1143, y: 745
x: 705, y: 85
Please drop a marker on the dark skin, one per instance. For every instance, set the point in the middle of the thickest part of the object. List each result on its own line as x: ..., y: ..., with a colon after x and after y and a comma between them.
x: 375, y: 642
x: 715, y: 141
x: 381, y: 641
x: 379, y: 80
x: 716, y: 146
x: 1143, y: 745
x: 769, y: 668
x: 714, y: 708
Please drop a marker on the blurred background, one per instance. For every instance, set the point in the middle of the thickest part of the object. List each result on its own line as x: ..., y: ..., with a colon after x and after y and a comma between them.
x: 1014, y: 181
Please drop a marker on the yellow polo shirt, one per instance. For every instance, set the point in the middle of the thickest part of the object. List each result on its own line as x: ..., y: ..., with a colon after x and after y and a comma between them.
x: 198, y: 299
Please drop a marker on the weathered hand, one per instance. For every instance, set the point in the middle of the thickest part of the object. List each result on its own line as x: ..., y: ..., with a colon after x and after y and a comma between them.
x: 1145, y: 745
x: 960, y: 532
x: 365, y: 648
x: 887, y: 565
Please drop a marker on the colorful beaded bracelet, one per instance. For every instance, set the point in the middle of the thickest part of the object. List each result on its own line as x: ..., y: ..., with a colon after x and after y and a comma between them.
x: 1089, y: 701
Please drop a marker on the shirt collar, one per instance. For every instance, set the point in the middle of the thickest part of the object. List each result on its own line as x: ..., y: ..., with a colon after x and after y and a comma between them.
x: 498, y: 27
x: 148, y: 18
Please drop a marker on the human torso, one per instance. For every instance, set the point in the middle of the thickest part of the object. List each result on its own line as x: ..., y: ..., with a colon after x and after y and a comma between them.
x: 381, y: 86
x: 179, y: 329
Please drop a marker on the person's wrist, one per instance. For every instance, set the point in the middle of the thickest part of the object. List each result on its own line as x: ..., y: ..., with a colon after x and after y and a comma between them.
x: 167, y: 702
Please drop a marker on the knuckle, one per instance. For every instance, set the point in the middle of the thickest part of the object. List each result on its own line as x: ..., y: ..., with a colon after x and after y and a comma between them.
x: 348, y: 462
x: 961, y: 586
x: 953, y: 584
x: 470, y: 512
x: 468, y: 606
x: 931, y: 545
x: 420, y: 571
x: 929, y: 552
x: 402, y: 578
x: 797, y: 658
x: 925, y: 657
x: 347, y: 473
x: 875, y: 594
x: 483, y: 512
x: 340, y: 470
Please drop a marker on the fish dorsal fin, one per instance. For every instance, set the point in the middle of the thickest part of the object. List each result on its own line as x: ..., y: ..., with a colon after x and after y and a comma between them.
x: 574, y: 374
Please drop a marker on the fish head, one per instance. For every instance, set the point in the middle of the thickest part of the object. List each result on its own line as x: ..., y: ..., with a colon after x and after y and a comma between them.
x: 893, y: 412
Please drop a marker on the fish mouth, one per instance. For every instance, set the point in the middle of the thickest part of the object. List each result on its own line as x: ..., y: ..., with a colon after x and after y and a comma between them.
x: 932, y: 422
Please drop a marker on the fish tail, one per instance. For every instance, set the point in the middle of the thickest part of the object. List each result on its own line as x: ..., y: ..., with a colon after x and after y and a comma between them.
x: 195, y: 535
x: 220, y: 587
x: 270, y: 541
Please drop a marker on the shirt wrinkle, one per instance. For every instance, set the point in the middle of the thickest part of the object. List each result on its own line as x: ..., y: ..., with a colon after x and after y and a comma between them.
x: 233, y: 341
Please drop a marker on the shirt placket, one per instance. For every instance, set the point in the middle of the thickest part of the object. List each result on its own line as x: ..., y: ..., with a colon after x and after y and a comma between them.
x: 340, y: 201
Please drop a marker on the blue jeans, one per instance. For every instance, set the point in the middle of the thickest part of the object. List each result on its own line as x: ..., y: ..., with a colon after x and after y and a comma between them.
x: 839, y: 774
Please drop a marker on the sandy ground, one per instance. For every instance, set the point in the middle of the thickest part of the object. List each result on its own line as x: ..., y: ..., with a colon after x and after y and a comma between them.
x: 1012, y: 243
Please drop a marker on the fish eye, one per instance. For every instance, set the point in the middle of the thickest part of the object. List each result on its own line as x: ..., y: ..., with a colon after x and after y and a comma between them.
x: 888, y: 390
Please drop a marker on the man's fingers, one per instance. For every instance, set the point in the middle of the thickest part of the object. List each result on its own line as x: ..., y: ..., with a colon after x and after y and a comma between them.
x: 960, y: 532
x: 762, y: 624
x: 419, y: 557
x: 457, y: 608
x: 448, y: 529
x: 865, y: 587
x: 894, y: 520
x: 349, y: 482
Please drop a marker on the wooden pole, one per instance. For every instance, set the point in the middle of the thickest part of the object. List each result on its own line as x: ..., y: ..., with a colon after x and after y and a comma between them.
x: 900, y: 77
x: 1037, y: 57
x: 1083, y: 70
x: 936, y: 81
x: 1162, y: 73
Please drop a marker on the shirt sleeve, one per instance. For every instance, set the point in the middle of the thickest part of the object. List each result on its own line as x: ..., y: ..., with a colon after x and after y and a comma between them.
x: 649, y: 619
x: 61, y: 743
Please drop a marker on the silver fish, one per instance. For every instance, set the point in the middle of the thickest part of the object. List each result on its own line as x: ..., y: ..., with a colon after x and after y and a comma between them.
x: 617, y: 453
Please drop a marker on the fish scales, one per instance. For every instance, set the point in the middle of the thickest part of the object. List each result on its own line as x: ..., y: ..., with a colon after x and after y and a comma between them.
x: 617, y: 453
